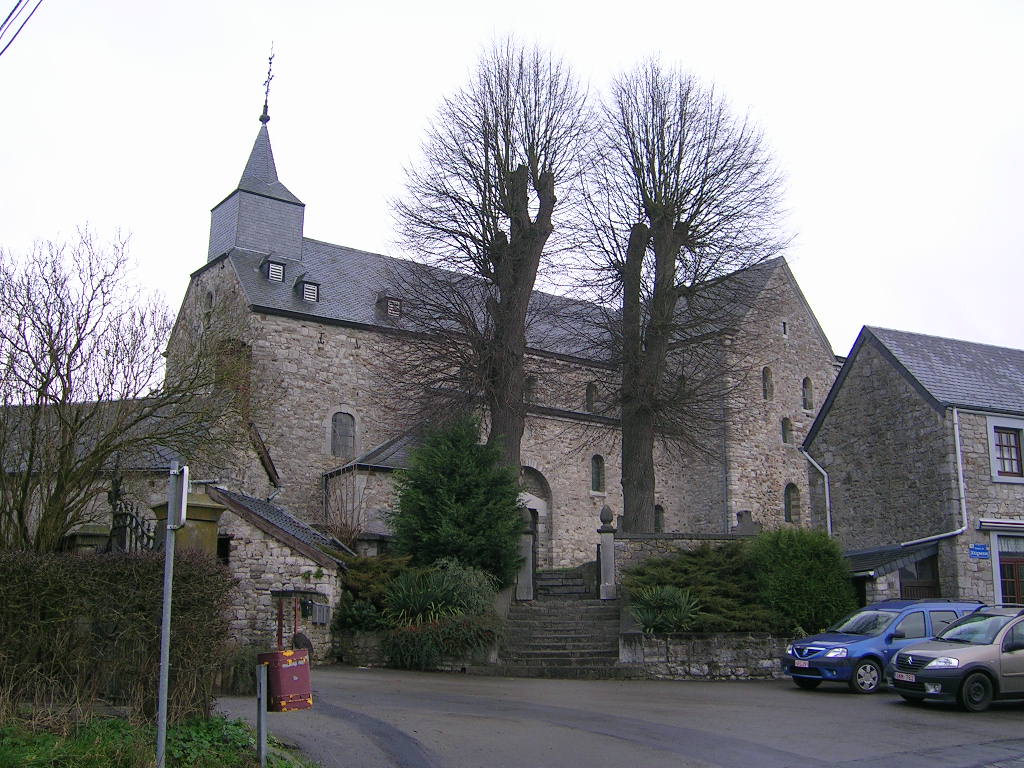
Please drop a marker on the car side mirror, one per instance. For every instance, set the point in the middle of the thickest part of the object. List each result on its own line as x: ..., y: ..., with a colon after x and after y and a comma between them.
x: 899, y: 634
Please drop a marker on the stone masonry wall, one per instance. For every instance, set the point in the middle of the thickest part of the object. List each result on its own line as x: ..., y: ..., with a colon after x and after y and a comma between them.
x: 308, y: 370
x: 889, y: 457
x: 238, y: 465
x: 964, y: 576
x: 779, y: 334
x: 263, y: 565
x: 726, y: 656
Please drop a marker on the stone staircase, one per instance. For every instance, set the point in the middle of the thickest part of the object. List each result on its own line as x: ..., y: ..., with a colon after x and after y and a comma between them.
x: 566, y: 632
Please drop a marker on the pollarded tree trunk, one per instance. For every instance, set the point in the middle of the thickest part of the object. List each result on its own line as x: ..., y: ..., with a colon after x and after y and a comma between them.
x: 516, y: 262
x: 645, y: 349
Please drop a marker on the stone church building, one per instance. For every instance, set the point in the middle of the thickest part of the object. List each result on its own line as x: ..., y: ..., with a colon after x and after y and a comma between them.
x: 325, y: 443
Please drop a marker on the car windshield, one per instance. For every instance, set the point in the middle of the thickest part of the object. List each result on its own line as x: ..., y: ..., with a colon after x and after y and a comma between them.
x: 978, y: 628
x: 866, y: 622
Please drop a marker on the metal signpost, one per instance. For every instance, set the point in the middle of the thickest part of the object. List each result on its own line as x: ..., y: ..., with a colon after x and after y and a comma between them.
x: 261, y: 714
x: 177, y: 505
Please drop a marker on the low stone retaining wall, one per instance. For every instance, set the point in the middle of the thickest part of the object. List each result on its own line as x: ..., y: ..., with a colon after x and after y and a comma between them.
x: 691, y: 656
x: 360, y: 649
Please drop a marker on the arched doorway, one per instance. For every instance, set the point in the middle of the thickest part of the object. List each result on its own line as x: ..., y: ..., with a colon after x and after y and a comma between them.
x: 536, y: 497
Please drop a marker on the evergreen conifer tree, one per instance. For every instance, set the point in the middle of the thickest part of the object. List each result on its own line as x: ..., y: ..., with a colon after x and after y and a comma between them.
x: 458, y: 500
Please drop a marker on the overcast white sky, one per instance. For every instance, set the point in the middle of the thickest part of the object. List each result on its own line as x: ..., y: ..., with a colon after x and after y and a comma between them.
x: 900, y: 126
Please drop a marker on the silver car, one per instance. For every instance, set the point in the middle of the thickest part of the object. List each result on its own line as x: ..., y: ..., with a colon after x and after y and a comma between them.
x: 973, y: 661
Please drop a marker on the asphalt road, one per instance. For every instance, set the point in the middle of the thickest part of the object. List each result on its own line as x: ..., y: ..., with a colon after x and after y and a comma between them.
x: 365, y: 718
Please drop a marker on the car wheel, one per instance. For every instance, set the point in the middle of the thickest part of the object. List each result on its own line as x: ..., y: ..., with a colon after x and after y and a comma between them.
x: 915, y: 700
x: 806, y: 682
x: 976, y: 692
x: 866, y: 677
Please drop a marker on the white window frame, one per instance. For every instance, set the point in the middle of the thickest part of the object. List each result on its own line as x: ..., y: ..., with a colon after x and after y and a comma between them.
x: 1002, y: 422
x: 275, y: 272
x: 310, y: 292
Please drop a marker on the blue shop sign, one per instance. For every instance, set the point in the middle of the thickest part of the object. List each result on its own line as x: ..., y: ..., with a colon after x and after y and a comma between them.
x: 979, y: 552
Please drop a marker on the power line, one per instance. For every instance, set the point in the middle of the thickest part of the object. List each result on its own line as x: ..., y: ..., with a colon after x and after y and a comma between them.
x: 12, y: 18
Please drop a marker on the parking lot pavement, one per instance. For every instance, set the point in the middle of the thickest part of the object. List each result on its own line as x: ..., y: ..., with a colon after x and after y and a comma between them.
x: 383, y: 718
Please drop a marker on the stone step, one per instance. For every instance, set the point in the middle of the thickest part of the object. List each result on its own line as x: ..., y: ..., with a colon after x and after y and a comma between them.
x: 554, y: 634
x: 554, y: 629
x: 561, y: 673
x: 557, y: 590
x: 560, y: 646
x: 562, y: 662
x: 548, y: 579
x: 562, y: 609
x: 567, y: 602
x: 564, y: 622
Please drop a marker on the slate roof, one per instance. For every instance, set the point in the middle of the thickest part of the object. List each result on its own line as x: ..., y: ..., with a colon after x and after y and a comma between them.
x: 281, y: 520
x: 394, y: 454
x: 352, y: 281
x: 883, y: 560
x: 260, y: 174
x: 959, y: 373
x: 948, y: 373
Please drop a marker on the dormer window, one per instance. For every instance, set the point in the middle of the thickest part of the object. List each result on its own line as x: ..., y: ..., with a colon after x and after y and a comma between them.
x: 275, y: 272
x: 310, y: 291
x: 389, y: 306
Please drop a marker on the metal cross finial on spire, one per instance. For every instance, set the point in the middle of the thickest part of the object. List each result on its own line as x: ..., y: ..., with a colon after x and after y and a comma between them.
x: 265, y: 117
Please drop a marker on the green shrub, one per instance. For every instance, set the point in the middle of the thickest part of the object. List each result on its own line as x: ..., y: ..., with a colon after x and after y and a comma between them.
x: 663, y: 609
x: 238, y: 673
x: 458, y: 500
x: 447, y: 589
x: 440, y: 612
x: 802, y: 577
x: 367, y: 578
x: 425, y: 645
x: 77, y: 627
x: 354, y: 615
x: 115, y: 743
x: 720, y: 579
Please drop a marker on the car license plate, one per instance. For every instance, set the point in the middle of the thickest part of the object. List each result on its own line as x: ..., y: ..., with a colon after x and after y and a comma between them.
x: 904, y: 676
x: 801, y: 663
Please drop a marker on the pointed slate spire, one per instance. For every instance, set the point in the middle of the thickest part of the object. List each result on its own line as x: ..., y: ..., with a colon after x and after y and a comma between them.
x: 261, y: 214
x: 260, y: 174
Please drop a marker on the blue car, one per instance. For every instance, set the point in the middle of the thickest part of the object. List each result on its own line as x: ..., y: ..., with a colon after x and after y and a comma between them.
x: 856, y: 650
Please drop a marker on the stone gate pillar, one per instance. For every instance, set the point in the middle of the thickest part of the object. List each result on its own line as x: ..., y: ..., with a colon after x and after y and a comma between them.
x: 607, y: 531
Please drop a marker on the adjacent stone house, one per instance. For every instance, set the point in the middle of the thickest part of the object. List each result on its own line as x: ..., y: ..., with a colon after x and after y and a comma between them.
x: 319, y: 315
x: 921, y: 441
x: 288, y: 574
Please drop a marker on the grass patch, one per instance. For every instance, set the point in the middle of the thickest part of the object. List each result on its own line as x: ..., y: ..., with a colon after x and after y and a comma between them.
x: 115, y: 743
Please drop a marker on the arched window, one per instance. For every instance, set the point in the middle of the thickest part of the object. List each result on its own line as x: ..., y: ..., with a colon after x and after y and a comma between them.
x: 659, y: 518
x: 597, y: 473
x: 591, y: 397
x: 808, y: 394
x: 530, y: 389
x: 343, y: 435
x: 207, y: 309
x: 787, y: 431
x: 792, y: 504
x: 767, y: 388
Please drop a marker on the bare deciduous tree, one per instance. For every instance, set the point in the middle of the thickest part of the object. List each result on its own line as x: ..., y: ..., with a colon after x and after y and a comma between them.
x: 684, y: 202
x: 481, y: 206
x: 82, y: 390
